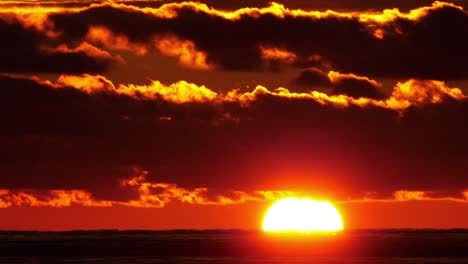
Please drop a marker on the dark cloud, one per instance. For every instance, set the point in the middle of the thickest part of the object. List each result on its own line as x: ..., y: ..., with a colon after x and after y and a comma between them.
x: 431, y: 46
x: 25, y: 50
x: 358, y: 88
x: 348, y: 84
x: 62, y: 138
x: 313, y: 77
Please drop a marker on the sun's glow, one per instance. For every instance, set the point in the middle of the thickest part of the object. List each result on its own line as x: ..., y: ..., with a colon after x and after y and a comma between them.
x: 292, y: 214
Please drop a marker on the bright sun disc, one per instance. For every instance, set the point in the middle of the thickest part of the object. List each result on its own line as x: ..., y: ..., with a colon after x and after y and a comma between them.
x: 302, y: 215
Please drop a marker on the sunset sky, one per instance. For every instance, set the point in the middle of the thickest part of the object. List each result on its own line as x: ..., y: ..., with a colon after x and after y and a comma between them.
x: 173, y: 114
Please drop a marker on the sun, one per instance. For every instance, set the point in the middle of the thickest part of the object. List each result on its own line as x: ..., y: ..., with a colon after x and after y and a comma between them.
x: 302, y: 215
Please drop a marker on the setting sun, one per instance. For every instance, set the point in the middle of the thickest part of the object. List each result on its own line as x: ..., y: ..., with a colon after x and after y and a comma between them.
x: 294, y: 214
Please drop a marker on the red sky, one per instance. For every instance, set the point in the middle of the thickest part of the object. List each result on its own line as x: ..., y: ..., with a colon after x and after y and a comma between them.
x: 163, y: 115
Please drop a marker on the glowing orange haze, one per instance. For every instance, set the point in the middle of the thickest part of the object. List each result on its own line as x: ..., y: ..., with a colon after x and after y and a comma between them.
x: 411, y: 214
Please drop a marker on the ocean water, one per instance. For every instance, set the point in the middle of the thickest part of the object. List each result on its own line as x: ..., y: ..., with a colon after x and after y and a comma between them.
x: 234, y: 246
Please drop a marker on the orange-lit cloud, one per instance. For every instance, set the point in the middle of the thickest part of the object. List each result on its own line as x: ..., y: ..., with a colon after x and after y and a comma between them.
x: 52, y: 198
x: 171, y: 10
x: 185, y: 51
x: 179, y: 92
x: 87, y: 83
x: 419, y: 92
x: 277, y: 54
x: 87, y: 49
x: 379, y: 33
x: 389, y: 15
x: 405, y: 94
x: 103, y: 36
x: 37, y: 16
x: 158, y: 195
x: 415, y: 92
x: 404, y: 195
x: 409, y: 195
x: 31, y: 17
x: 172, y: 46
x: 152, y: 194
x: 336, y: 77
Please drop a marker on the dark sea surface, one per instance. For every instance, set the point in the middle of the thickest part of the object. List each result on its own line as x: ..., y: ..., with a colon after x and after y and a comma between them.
x: 234, y: 246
